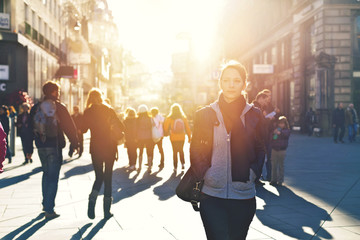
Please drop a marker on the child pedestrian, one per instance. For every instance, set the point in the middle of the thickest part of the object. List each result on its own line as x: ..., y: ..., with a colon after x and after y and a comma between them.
x: 279, y: 144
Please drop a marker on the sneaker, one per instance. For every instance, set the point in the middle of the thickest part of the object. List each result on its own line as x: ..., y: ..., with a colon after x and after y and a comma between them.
x: 132, y: 167
x: 161, y: 165
x: 30, y: 160
x: 182, y: 166
x: 49, y: 216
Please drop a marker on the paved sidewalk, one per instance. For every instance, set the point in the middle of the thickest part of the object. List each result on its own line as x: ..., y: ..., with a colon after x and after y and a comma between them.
x: 320, y: 199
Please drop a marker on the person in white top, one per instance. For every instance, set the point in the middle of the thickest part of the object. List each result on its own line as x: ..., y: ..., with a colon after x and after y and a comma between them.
x: 158, y: 121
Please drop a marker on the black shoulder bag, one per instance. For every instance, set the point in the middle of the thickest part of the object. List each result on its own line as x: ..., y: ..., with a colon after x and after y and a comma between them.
x: 189, y: 188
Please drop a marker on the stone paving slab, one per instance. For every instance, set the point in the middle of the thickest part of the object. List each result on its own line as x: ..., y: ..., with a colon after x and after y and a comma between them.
x: 320, y: 199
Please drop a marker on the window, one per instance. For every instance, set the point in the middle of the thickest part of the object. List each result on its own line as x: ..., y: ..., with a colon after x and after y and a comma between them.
x: 310, y: 42
x: 26, y: 10
x: 44, y: 2
x: 2, y: 5
x: 265, y: 57
x: 273, y: 55
x: 33, y: 18
x: 46, y: 30
x: 282, y: 54
x: 40, y: 25
x: 356, y: 59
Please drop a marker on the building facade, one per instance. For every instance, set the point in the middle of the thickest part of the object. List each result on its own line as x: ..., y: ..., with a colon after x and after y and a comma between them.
x: 309, y: 50
x: 29, y: 45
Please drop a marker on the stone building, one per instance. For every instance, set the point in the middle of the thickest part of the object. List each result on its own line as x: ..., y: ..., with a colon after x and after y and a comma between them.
x: 305, y: 51
x: 29, y: 45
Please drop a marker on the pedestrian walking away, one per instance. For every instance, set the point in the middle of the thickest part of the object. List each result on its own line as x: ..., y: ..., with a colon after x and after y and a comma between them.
x: 78, y: 119
x: 158, y: 132
x: 99, y: 117
x: 2, y: 147
x: 130, y: 136
x: 51, y: 120
x: 351, y: 121
x: 144, y: 136
x: 177, y: 125
x: 4, y: 120
x: 227, y: 151
x: 338, y: 120
x: 279, y: 144
x: 310, y: 120
x: 25, y: 132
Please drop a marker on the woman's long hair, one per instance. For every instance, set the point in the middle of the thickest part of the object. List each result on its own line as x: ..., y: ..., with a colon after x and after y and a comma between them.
x: 176, y: 112
x: 95, y: 96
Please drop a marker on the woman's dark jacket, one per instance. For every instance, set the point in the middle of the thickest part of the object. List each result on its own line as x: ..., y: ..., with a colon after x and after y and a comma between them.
x: 24, y: 127
x: 202, y: 140
x: 98, y: 118
x: 130, y: 129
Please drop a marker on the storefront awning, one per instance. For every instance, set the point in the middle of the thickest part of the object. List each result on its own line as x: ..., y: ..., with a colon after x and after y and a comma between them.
x: 65, y: 72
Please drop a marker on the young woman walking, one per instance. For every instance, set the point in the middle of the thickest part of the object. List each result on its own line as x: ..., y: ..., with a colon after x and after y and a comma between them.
x: 227, y: 152
x: 25, y: 131
x: 177, y: 125
x: 99, y: 117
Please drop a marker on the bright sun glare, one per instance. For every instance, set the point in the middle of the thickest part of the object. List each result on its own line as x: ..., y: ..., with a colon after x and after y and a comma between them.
x: 148, y: 28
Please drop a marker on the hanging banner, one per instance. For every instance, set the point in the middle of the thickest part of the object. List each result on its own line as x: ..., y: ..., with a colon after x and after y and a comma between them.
x: 5, y: 20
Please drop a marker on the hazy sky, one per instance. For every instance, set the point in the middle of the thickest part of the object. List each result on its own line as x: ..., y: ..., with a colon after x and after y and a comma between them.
x: 148, y: 27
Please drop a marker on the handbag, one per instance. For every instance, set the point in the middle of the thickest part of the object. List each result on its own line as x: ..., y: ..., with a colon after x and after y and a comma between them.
x: 189, y: 189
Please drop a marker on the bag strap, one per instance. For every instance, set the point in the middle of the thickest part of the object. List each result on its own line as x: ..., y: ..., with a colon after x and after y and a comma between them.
x: 196, y: 195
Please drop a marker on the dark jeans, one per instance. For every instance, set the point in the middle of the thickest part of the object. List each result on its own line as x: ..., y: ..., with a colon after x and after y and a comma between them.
x: 8, y: 151
x: 352, y: 131
x: 268, y: 162
x: 226, y: 219
x: 51, y: 160
x: 178, y: 147
x: 132, y: 154
x: 103, y: 176
x: 161, y: 151
x: 336, y: 132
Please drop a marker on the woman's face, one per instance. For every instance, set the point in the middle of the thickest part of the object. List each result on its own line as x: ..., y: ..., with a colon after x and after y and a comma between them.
x: 231, y: 84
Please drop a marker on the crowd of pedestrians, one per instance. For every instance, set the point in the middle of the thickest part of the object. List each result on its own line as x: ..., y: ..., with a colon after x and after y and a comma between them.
x: 232, y: 141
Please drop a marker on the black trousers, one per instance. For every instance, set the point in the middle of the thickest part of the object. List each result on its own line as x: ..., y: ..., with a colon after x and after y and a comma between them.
x: 132, y: 152
x: 161, y: 151
x: 336, y: 132
x: 103, y: 173
x: 226, y: 219
x: 178, y: 147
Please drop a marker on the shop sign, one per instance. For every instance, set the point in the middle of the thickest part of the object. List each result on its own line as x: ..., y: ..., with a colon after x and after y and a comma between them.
x: 2, y: 87
x: 4, y: 72
x: 5, y: 20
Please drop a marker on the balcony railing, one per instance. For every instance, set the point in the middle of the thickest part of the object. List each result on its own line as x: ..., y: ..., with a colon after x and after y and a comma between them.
x: 46, y: 44
x: 34, y: 34
x: 41, y: 39
x: 27, y: 29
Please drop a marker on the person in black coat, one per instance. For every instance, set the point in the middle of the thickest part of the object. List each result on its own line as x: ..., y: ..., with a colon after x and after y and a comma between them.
x: 99, y: 118
x: 78, y: 118
x: 338, y: 120
x: 131, y: 136
x: 25, y: 131
x: 4, y: 119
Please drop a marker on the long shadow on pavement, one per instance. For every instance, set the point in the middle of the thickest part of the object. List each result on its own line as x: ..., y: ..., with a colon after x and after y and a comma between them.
x: 5, y: 182
x: 79, y: 170
x: 82, y: 230
x: 167, y: 189
x: 96, y: 229
x: 290, y: 214
x: 29, y: 232
x: 126, y: 187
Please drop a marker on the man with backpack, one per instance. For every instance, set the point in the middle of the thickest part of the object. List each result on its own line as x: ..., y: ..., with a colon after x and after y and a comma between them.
x: 51, y: 120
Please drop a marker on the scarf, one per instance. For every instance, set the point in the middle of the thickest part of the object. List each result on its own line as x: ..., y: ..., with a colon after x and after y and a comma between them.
x: 240, y: 163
